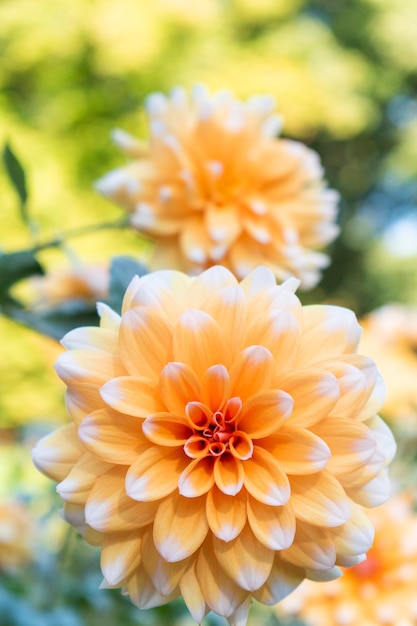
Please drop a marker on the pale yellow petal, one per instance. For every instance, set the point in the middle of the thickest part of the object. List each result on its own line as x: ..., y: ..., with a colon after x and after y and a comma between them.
x: 283, y: 579
x: 373, y: 493
x: 252, y: 372
x: 113, y: 437
x: 209, y: 282
x: 264, y: 478
x: 180, y: 527
x: 244, y: 559
x: 88, y: 366
x: 226, y: 515
x: 228, y: 307
x: 328, y: 331
x: 198, y: 342
x: 93, y: 338
x: 109, y: 509
x: 131, y: 395
x: 279, y: 332
x: 221, y: 593
x: 312, y: 548
x: 121, y: 555
x: 319, y: 500
x: 216, y: 387
x: 143, y: 592
x: 192, y: 595
x: 56, y: 454
x: 81, y: 399
x: 299, y: 451
x: 178, y: 385
x: 354, y: 537
x: 77, y: 486
x: 165, y: 576
x: 145, y: 342
x: 315, y: 392
x: 273, y: 526
x: 155, y: 474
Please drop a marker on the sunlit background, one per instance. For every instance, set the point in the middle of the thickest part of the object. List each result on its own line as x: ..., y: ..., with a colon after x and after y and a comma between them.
x: 344, y: 73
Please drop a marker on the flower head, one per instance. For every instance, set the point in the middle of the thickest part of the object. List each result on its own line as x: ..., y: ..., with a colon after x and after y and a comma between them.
x: 381, y: 590
x: 223, y: 441
x: 16, y: 535
x: 215, y: 185
x: 82, y: 282
x: 390, y: 337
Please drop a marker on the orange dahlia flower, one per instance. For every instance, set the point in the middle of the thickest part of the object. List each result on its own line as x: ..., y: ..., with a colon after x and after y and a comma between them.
x: 82, y: 282
x: 215, y: 185
x: 16, y: 535
x: 390, y: 337
x: 379, y: 591
x: 223, y: 441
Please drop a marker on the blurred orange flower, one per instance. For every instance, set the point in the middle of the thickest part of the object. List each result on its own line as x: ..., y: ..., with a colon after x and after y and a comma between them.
x: 81, y: 282
x: 224, y: 441
x: 16, y: 535
x: 215, y: 185
x: 379, y: 591
x: 390, y: 337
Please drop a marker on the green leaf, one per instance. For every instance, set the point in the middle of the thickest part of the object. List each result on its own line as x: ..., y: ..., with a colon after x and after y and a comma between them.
x: 122, y: 270
x: 15, y: 267
x: 17, y: 177
x: 57, y: 321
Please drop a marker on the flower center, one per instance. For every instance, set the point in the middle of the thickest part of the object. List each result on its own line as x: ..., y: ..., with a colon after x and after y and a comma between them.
x: 215, y: 433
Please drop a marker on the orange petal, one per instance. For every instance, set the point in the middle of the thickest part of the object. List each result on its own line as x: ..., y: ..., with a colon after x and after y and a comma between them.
x: 145, y: 342
x: 228, y: 474
x: 192, y: 595
x: 328, y: 331
x: 223, y: 223
x: 143, y: 593
x: 373, y: 493
x: 164, y: 575
x: 263, y: 414
x: 166, y: 429
x: 209, y: 282
x: 244, y: 559
x: 299, y: 451
x: 88, y: 366
x: 77, y: 485
x: 319, y: 500
x: 178, y: 385
x: 216, y: 387
x: 283, y: 579
x: 351, y: 443
x: 81, y: 399
x: 264, y: 478
x: 197, y: 478
x: 315, y: 392
x: 252, y: 372
x: 56, y: 454
x: 197, y: 341
x: 132, y: 395
x: 240, y: 445
x: 155, y: 474
x: 109, y: 509
x: 277, y: 331
x: 221, y: 593
x: 180, y: 527
x: 258, y: 280
x: 113, y: 437
x: 228, y: 307
x: 355, y: 536
x: 226, y: 514
x: 93, y: 338
x: 121, y: 555
x: 312, y: 548
x: 273, y: 526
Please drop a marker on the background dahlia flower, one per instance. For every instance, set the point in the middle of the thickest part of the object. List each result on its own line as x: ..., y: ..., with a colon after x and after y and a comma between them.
x: 379, y: 591
x: 224, y: 440
x: 215, y: 185
x: 16, y: 535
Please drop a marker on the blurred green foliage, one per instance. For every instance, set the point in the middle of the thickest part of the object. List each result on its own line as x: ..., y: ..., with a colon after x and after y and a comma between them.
x: 345, y: 76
